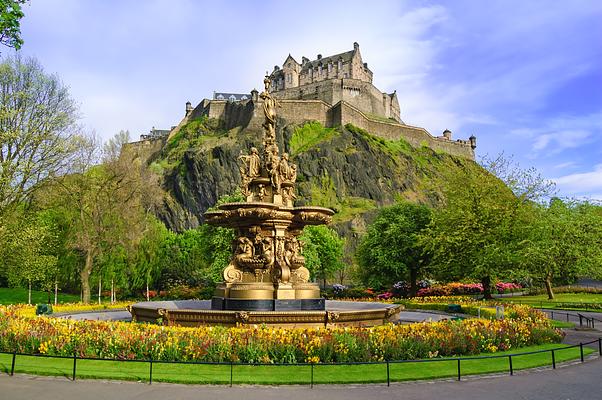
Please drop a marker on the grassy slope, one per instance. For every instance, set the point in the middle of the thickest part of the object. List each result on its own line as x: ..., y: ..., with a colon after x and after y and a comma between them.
x: 18, y: 295
x: 294, y: 374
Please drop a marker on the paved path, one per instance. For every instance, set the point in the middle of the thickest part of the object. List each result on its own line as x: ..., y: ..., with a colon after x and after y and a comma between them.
x: 109, y: 315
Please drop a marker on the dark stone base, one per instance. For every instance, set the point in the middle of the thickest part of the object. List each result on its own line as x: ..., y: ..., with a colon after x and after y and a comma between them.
x: 220, y: 303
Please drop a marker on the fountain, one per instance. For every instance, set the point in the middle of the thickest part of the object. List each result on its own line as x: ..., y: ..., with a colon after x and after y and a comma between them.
x: 266, y: 281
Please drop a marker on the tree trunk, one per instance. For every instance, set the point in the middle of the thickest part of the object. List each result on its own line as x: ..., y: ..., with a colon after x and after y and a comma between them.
x: 548, y: 282
x: 486, y: 282
x: 56, y: 293
x: 29, y: 294
x: 85, y: 277
x: 99, y: 289
x: 413, y: 283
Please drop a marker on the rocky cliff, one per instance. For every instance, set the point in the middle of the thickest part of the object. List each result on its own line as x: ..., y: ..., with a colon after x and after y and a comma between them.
x: 344, y: 168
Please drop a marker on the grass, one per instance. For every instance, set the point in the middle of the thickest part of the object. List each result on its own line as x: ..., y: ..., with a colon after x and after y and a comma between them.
x: 19, y: 296
x: 569, y: 301
x: 309, y: 135
x: 289, y: 374
x: 562, y: 324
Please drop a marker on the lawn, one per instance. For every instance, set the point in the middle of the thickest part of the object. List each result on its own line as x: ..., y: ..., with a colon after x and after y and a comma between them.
x: 19, y: 295
x: 570, y: 301
x: 290, y: 374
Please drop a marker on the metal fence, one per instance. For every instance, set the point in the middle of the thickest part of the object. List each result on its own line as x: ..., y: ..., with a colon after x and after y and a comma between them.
x: 584, y: 321
x: 388, y: 363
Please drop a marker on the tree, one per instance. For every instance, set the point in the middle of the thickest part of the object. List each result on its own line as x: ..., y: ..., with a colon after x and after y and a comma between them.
x: 564, y: 240
x: 390, y: 250
x: 29, y: 252
x: 475, y: 229
x: 323, y: 251
x: 37, y: 124
x: 10, y: 26
x: 109, y: 205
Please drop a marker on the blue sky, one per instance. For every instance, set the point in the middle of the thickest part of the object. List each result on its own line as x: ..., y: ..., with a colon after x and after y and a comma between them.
x: 524, y: 76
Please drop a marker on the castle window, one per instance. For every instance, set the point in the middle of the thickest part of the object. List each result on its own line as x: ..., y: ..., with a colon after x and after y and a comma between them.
x: 232, y: 98
x: 244, y: 98
x: 320, y: 70
x: 345, y: 75
x: 289, y: 78
x: 340, y: 64
x: 220, y: 97
x: 329, y: 67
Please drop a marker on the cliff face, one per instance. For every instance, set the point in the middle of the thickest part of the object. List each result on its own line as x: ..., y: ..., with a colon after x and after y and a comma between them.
x: 346, y: 169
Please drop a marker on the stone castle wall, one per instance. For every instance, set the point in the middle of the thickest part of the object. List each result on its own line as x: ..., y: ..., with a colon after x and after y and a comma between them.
x: 343, y: 113
x: 249, y: 114
x: 363, y: 95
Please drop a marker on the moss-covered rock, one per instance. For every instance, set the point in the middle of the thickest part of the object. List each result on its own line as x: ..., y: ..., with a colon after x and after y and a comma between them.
x: 347, y: 169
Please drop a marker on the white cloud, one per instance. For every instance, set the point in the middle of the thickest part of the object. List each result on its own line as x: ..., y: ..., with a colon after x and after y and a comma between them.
x: 561, y: 133
x: 584, y: 184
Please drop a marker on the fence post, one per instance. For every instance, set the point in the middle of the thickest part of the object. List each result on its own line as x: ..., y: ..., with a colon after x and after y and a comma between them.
x: 553, y: 360
x: 510, y: 362
x: 231, y: 368
x: 567, y: 317
x: 150, y: 371
x: 74, y: 363
x: 580, y: 320
x: 12, y: 366
x: 388, y: 375
x: 552, y: 315
x: 599, y: 347
x: 459, y: 376
x: 312, y: 376
x: 581, y: 351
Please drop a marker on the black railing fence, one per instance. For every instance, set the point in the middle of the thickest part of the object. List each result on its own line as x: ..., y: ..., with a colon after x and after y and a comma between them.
x: 234, y: 365
x: 584, y: 321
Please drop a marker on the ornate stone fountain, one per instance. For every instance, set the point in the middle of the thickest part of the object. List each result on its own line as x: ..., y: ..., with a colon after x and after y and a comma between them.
x: 267, y: 271
x: 266, y: 281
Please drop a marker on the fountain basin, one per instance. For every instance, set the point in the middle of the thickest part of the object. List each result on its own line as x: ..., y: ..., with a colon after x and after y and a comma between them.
x: 199, y: 313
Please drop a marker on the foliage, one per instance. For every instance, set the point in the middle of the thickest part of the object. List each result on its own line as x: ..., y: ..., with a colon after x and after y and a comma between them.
x: 107, y: 206
x: 28, y: 254
x: 119, y: 340
x: 564, y: 241
x: 476, y: 230
x: 10, y: 26
x: 308, y: 136
x: 390, y: 250
x: 37, y: 121
x: 323, y: 251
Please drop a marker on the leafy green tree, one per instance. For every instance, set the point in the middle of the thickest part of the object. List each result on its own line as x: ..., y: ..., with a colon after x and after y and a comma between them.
x: 37, y: 123
x: 108, y: 205
x: 474, y: 231
x: 323, y: 251
x: 564, y: 240
x: 390, y: 250
x: 29, y: 253
x: 10, y: 25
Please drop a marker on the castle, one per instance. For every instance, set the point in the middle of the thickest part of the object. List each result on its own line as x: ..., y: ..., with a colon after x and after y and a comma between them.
x: 342, y: 77
x: 334, y: 90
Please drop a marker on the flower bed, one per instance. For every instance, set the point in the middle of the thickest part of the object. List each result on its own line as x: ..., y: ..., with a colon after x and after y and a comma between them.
x: 42, y: 335
x: 26, y: 310
x: 460, y: 289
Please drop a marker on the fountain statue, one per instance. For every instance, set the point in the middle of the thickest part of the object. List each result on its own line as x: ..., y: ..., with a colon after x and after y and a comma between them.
x: 267, y: 270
